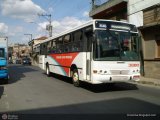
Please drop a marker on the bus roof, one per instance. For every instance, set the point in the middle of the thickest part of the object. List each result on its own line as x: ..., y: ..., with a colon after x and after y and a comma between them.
x: 81, y: 26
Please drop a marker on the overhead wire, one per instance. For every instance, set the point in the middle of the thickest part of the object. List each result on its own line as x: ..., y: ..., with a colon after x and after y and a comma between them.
x: 56, y: 3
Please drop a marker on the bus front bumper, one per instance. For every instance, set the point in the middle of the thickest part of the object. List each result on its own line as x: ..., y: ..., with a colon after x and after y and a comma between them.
x: 97, y: 79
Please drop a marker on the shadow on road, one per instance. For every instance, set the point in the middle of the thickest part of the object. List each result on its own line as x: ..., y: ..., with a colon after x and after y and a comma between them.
x: 98, y: 109
x: 17, y: 72
x: 122, y: 86
x: 1, y: 91
x: 109, y: 87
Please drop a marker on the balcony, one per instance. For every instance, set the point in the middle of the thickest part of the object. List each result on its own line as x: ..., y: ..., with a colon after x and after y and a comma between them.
x: 113, y: 9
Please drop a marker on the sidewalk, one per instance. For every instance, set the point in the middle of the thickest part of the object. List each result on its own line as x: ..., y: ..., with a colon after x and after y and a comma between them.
x: 149, y: 81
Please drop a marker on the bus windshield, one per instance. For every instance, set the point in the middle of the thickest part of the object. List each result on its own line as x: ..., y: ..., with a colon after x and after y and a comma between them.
x: 2, y: 52
x: 116, y: 46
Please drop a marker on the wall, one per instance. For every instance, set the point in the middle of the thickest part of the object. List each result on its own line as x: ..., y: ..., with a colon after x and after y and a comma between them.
x: 135, y: 7
x: 152, y: 69
x: 150, y: 46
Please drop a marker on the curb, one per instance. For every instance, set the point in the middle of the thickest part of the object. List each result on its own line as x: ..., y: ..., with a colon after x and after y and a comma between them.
x: 149, y: 81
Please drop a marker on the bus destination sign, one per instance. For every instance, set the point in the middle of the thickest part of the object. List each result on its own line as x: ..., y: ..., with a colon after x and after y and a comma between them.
x: 115, y: 26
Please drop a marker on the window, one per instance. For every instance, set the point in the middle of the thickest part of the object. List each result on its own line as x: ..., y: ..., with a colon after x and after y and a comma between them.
x: 53, y: 43
x: 77, y: 41
x: 59, y: 45
x: 1, y: 52
x: 158, y: 45
x: 77, y: 47
x: 88, y: 36
x: 43, y: 48
x: 67, y: 38
x: 49, y: 45
x: 78, y: 36
x: 53, y: 47
x: 113, y: 45
x: 60, y: 48
x: 60, y: 40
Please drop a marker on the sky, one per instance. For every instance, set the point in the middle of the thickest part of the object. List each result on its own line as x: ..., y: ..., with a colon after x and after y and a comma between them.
x: 19, y: 17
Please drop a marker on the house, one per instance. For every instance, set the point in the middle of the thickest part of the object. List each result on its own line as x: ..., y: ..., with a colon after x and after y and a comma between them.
x: 35, y: 51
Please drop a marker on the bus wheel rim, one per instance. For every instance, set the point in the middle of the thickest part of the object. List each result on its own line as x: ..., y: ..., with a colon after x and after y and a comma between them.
x: 75, y: 77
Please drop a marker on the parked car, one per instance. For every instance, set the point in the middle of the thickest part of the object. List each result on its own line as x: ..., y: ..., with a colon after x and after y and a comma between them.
x: 10, y: 61
x: 18, y: 61
x: 26, y: 61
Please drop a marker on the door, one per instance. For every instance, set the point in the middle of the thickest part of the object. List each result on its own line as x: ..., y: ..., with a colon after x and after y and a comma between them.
x: 89, y: 36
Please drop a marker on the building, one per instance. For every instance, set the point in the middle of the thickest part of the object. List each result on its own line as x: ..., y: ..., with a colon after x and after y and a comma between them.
x: 18, y: 51
x: 112, y: 9
x: 34, y: 52
x: 145, y: 14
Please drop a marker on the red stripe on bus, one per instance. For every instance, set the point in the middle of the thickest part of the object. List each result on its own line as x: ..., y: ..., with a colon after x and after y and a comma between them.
x: 65, y: 59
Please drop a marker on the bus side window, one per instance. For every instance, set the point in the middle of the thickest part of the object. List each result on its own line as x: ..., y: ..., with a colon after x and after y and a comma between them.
x: 59, y: 45
x: 89, y: 37
x: 67, y: 40
x: 77, y: 41
x: 53, y: 46
x: 78, y: 36
x: 49, y: 46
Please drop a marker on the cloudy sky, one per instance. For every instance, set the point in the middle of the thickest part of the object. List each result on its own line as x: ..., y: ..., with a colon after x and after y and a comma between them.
x: 19, y: 17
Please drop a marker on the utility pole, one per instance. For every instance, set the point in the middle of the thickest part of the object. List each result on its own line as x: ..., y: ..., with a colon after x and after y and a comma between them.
x: 29, y: 35
x: 93, y: 4
x: 48, y: 27
x: 30, y: 42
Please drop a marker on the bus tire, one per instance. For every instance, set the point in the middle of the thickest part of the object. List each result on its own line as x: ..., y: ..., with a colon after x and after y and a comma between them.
x: 48, y: 71
x: 75, y: 78
x: 6, y: 80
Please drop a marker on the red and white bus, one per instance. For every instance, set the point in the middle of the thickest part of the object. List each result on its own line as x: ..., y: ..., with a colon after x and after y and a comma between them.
x: 99, y: 51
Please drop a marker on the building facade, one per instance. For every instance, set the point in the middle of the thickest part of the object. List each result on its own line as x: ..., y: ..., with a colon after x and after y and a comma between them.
x: 18, y: 51
x: 145, y: 14
x: 33, y: 46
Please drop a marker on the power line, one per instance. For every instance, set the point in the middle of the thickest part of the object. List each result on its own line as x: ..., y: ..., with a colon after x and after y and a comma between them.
x: 49, y: 27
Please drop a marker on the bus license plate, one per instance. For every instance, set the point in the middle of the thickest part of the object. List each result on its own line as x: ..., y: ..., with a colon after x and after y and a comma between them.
x: 119, y: 78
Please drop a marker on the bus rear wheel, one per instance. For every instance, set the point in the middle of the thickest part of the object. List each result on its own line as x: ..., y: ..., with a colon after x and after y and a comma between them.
x: 48, y: 71
x: 75, y: 78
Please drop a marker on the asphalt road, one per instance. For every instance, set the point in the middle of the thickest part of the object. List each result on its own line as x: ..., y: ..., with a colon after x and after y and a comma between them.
x: 30, y: 91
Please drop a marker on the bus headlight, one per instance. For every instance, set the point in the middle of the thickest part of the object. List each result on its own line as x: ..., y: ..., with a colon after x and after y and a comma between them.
x: 95, y: 71
x: 99, y: 72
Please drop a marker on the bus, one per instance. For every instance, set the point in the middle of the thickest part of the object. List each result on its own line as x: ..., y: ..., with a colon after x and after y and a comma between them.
x: 4, y: 75
x: 99, y: 51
